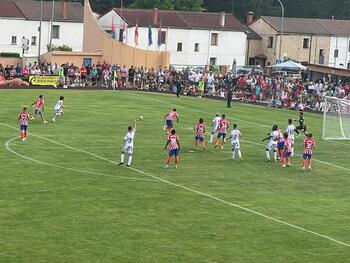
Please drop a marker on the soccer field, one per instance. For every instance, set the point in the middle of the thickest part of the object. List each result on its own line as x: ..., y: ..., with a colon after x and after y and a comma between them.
x: 64, y: 199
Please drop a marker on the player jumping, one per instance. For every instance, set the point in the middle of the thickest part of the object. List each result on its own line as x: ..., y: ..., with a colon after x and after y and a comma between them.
x: 128, y: 145
x: 174, y: 148
x: 309, y: 146
x: 58, y: 109
x: 287, y: 150
x: 214, y: 125
x: 200, y: 131
x: 169, y: 120
x: 39, y: 107
x: 23, y: 119
x: 222, y: 130
x: 235, y: 135
x: 272, y: 145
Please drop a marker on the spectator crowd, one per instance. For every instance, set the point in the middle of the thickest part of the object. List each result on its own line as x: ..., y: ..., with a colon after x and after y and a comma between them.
x: 277, y: 91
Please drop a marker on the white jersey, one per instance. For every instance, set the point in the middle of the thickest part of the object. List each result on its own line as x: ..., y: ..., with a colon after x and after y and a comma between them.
x: 215, y: 122
x: 235, y: 134
x: 59, y: 105
x: 129, y: 139
x: 274, y: 136
x: 290, y: 130
x: 272, y: 145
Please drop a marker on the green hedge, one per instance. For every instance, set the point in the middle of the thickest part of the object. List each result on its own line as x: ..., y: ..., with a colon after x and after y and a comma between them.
x: 9, y: 55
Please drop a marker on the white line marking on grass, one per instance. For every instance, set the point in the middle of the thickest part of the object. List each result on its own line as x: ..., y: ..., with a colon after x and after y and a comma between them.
x: 257, y: 125
x: 204, y: 194
x: 7, y: 144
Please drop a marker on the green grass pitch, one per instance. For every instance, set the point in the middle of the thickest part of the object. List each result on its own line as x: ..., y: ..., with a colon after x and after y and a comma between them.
x: 63, y: 199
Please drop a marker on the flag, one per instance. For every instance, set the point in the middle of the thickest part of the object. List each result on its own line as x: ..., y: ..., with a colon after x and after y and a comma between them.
x: 136, y: 36
x: 160, y: 34
x: 113, y: 30
x: 123, y: 33
x: 150, y: 42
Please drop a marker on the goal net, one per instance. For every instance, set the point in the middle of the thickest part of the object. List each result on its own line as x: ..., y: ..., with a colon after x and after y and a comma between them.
x: 336, y: 119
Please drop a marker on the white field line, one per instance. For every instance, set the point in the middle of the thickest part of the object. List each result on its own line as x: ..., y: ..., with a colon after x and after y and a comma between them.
x: 204, y: 194
x: 7, y: 144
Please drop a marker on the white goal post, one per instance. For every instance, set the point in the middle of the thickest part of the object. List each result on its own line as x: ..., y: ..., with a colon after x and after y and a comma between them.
x: 336, y: 119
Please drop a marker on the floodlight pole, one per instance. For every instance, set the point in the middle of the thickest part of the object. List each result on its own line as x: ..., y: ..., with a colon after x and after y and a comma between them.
x: 40, y: 29
x: 282, y: 29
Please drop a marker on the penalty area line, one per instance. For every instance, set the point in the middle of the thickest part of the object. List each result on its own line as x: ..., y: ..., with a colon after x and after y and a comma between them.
x: 202, y: 194
x: 7, y: 145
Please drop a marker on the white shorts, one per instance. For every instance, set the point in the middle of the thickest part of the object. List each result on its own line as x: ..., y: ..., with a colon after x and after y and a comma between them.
x: 235, y: 145
x: 214, y: 130
x: 272, y: 145
x: 58, y: 111
x: 128, y: 149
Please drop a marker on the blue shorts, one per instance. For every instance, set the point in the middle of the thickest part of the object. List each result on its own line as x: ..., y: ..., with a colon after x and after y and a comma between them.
x: 169, y: 123
x: 174, y: 152
x: 280, y: 145
x: 307, y: 156
x: 24, y: 127
x: 287, y: 154
x: 38, y: 112
x: 199, y: 138
x: 221, y: 135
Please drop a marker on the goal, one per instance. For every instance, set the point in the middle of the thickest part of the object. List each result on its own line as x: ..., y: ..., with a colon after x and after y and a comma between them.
x: 336, y: 119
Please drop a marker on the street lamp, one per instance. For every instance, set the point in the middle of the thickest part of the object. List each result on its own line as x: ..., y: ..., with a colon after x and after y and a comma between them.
x: 282, y: 29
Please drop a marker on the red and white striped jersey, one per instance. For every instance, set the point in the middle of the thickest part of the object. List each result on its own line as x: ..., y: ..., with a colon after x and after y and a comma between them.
x: 223, y: 125
x: 24, y: 118
x: 288, y: 145
x: 39, y: 103
x: 200, y: 129
x: 173, y: 139
x: 309, y: 145
x: 171, y: 115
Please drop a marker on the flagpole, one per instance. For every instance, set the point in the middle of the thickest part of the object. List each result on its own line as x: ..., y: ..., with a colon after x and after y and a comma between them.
x: 113, y: 35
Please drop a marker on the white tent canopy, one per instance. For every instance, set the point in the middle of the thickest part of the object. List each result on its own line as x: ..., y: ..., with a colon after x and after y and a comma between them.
x: 289, y: 65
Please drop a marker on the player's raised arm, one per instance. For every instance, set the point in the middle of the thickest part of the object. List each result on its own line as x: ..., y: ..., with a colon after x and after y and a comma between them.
x: 135, y: 126
x: 267, y: 138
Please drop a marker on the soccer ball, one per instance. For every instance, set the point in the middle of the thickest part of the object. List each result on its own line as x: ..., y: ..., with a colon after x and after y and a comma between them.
x: 141, y: 118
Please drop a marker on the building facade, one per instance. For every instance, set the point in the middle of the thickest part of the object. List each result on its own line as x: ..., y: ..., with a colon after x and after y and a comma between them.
x: 193, y: 39
x: 21, y: 18
x: 303, y: 40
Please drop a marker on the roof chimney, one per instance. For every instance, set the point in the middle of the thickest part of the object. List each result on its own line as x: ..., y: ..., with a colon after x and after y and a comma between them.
x: 250, y: 18
x: 222, y: 19
x: 64, y: 9
x: 155, y: 16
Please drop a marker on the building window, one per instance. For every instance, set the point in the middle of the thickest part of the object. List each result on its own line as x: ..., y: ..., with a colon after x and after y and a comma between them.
x: 306, y: 43
x: 336, y: 53
x: 163, y: 37
x: 13, y: 40
x: 55, y: 31
x: 33, y: 42
x: 214, y: 39
x: 268, y: 63
x: 179, y: 47
x: 270, y: 42
x: 212, y: 61
x: 321, y: 57
x: 196, y: 47
x: 349, y: 46
x: 348, y: 66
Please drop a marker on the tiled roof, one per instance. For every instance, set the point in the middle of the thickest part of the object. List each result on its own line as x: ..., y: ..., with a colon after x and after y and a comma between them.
x: 182, y: 19
x: 297, y: 25
x: 9, y: 9
x: 336, y: 27
x: 30, y: 10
